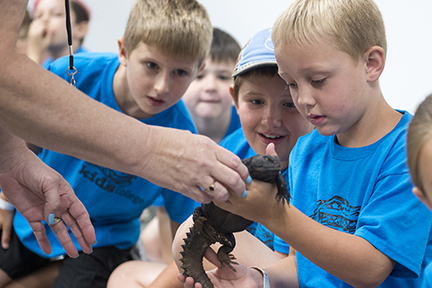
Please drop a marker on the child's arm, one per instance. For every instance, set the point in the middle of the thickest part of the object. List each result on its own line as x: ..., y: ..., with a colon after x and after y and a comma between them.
x: 168, y: 278
x: 346, y: 256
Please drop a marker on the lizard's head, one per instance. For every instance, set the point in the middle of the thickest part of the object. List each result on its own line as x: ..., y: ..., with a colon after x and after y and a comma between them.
x: 264, y: 162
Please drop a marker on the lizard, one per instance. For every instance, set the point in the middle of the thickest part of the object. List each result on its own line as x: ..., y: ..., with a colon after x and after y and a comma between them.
x: 213, y: 224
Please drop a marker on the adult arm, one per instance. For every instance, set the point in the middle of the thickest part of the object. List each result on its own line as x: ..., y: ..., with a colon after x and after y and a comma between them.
x: 45, y: 110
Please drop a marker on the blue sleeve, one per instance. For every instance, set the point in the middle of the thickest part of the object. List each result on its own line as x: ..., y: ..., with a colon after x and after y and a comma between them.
x: 178, y: 206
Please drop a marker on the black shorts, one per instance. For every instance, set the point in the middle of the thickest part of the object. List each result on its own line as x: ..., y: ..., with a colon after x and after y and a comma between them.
x: 88, y: 270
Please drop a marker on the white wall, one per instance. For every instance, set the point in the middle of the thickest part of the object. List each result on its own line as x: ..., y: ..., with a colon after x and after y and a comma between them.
x: 406, y: 80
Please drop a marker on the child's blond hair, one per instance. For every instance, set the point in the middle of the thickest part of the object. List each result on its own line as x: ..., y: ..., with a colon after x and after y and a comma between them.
x: 353, y: 26
x: 180, y: 28
x: 419, y: 132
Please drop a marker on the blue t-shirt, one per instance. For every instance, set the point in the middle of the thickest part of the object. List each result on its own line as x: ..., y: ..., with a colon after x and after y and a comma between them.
x: 427, y: 278
x: 50, y: 59
x: 236, y: 142
x: 235, y: 123
x: 114, y: 200
x: 366, y: 192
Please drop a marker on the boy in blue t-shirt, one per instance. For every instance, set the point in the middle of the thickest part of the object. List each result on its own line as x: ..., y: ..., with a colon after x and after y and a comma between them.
x: 353, y: 220
x: 211, y: 107
x: 268, y: 116
x: 145, y: 80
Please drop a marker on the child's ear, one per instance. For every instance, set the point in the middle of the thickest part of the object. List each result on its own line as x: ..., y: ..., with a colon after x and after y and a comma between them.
x: 421, y: 196
x: 231, y: 90
x: 375, y: 61
x: 122, y: 51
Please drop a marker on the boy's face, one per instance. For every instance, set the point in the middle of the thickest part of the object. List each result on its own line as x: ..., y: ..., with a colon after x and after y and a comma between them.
x: 328, y: 87
x: 155, y: 81
x: 268, y: 115
x: 208, y: 95
x: 50, y: 18
x: 425, y: 170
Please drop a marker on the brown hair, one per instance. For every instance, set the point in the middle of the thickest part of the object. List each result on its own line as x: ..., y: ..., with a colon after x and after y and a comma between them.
x: 268, y: 71
x: 224, y: 48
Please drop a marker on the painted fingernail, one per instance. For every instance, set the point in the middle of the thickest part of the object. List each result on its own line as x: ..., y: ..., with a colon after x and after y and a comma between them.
x: 249, y: 180
x: 244, y: 194
x: 51, y: 219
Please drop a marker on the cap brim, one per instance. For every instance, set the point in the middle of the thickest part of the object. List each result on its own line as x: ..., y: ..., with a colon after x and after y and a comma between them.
x: 252, y: 66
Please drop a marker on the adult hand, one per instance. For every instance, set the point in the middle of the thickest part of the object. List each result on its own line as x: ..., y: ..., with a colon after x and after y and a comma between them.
x: 37, y: 191
x: 259, y: 204
x: 190, y: 163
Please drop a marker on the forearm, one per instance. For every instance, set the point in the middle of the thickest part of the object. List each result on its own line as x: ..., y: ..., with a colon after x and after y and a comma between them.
x: 55, y: 115
x: 11, y: 148
x: 168, y: 278
x: 76, y: 125
x: 284, y: 273
x: 346, y: 256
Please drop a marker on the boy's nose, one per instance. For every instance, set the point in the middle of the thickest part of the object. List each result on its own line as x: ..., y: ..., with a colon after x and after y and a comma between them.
x: 272, y: 118
x: 161, y: 84
x: 304, y: 98
x: 210, y: 84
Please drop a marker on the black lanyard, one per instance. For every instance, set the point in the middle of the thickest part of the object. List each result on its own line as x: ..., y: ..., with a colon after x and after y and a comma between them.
x: 71, y: 70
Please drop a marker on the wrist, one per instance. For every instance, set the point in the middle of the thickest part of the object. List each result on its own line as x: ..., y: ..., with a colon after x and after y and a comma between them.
x: 263, y: 280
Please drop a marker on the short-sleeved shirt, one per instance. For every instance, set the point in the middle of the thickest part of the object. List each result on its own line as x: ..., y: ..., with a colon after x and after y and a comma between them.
x: 114, y: 200
x: 366, y: 192
x: 50, y: 59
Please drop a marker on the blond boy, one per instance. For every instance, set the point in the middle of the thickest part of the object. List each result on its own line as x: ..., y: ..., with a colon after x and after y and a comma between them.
x: 353, y: 219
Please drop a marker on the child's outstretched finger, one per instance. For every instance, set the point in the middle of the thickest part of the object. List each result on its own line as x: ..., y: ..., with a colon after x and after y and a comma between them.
x: 270, y: 150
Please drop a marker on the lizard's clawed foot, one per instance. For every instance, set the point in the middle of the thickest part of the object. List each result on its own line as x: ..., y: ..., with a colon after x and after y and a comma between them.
x: 227, y: 259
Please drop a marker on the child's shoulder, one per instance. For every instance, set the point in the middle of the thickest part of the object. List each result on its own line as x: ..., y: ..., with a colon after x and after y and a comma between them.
x: 237, y: 143
x: 88, y: 65
x: 83, y: 60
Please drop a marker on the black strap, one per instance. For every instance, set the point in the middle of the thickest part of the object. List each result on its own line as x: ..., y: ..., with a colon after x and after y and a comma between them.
x: 71, y: 70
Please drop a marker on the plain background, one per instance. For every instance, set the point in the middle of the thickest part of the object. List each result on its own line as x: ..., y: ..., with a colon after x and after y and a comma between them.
x: 407, y: 77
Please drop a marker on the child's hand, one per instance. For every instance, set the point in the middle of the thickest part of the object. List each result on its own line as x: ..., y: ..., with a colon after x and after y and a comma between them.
x: 227, y: 278
x: 38, y: 39
x: 6, y: 218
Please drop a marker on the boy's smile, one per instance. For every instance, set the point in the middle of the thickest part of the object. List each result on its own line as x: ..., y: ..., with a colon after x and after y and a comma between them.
x: 148, y: 81
x: 268, y: 115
